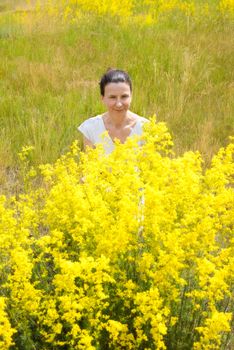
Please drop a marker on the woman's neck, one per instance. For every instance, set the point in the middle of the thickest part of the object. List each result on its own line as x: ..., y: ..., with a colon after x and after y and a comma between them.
x: 117, y: 120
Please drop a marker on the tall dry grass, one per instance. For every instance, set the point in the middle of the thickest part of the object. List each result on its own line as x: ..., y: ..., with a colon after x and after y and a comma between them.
x: 182, y: 71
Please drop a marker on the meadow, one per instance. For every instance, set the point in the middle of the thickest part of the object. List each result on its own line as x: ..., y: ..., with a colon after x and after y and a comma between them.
x: 135, y: 250
x: 181, y: 64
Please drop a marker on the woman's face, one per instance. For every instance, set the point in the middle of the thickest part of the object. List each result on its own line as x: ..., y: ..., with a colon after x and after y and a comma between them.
x: 117, y: 97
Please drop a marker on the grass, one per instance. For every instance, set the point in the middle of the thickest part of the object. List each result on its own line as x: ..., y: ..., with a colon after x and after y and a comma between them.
x: 49, y: 81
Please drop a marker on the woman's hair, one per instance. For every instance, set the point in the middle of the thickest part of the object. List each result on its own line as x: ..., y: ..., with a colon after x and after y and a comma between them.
x: 114, y: 76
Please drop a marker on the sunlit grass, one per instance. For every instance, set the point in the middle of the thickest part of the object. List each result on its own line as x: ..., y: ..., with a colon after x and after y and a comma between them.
x: 182, y: 70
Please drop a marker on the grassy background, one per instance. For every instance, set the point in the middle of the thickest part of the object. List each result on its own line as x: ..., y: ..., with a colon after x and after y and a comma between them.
x: 49, y: 77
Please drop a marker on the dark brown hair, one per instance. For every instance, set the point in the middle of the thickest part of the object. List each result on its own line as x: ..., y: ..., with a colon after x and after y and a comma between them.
x: 114, y: 76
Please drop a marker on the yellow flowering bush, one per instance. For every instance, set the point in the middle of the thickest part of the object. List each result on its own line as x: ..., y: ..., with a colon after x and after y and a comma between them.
x: 128, y: 251
x: 139, y: 11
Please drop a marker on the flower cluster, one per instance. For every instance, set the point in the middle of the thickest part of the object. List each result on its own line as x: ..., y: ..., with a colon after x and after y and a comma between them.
x: 6, y: 331
x: 227, y: 7
x: 128, y: 251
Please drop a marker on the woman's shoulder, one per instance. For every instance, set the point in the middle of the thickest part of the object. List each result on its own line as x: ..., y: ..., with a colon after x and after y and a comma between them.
x: 92, y: 121
x: 143, y: 120
x: 139, y: 118
x: 91, y: 128
x: 140, y: 121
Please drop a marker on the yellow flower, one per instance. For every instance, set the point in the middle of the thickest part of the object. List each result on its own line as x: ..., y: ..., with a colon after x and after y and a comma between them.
x: 6, y: 331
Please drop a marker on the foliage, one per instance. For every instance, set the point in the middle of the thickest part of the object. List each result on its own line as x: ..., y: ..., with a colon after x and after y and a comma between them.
x: 128, y: 251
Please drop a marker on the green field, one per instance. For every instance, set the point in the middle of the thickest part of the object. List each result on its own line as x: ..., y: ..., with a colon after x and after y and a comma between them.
x: 182, y: 71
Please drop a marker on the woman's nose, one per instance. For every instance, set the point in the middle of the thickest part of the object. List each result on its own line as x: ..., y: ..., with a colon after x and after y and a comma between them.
x: 118, y: 103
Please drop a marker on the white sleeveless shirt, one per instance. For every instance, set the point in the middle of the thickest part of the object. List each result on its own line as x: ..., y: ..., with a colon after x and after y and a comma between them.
x: 94, y: 128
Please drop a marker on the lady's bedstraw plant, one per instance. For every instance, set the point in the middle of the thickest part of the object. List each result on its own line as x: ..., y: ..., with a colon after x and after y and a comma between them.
x: 128, y: 251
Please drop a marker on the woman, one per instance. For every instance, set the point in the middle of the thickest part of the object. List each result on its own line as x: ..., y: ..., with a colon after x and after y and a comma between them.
x: 118, y: 122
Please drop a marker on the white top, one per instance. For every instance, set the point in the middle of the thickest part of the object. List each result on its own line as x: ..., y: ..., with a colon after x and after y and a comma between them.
x: 94, y: 128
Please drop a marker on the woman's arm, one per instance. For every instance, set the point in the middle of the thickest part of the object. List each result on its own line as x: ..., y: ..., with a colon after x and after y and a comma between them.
x: 88, y: 143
